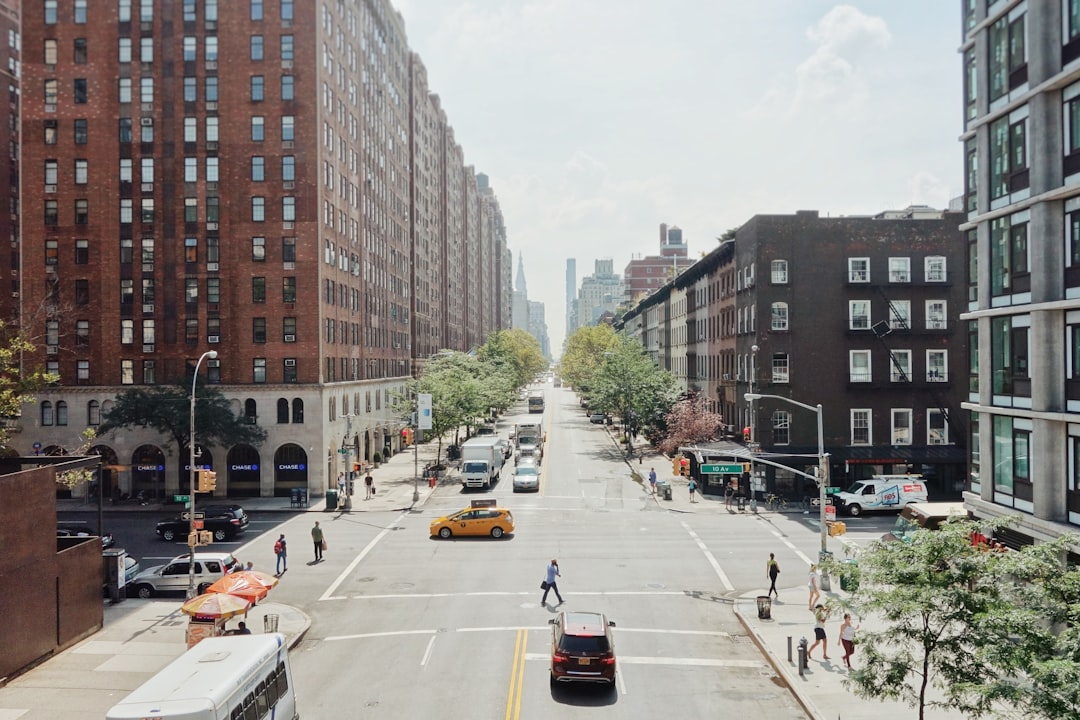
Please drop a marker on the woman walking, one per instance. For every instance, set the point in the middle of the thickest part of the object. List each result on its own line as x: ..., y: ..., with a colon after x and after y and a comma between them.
x: 812, y: 586
x: 772, y: 571
x: 821, y: 614
x: 847, y: 638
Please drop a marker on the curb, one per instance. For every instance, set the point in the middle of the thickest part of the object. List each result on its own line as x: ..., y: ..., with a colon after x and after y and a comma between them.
x: 779, y: 665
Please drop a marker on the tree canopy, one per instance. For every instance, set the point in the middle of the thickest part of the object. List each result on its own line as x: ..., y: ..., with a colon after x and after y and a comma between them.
x: 518, y: 351
x: 583, y: 354
x: 167, y: 409
x: 965, y: 627
x: 627, y: 382
x: 690, y: 421
x: 17, y: 383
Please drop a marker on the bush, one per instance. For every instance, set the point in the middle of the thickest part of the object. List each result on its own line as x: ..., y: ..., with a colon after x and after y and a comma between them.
x: 376, y: 457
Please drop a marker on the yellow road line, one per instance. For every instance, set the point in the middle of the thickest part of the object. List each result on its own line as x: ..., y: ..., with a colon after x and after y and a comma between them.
x: 517, y: 676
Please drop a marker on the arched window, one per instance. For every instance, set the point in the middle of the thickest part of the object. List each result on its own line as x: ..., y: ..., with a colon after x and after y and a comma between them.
x: 250, y: 410
x: 282, y: 411
x: 297, y: 410
x: 61, y: 413
x: 779, y: 316
x: 46, y: 414
x: 93, y: 413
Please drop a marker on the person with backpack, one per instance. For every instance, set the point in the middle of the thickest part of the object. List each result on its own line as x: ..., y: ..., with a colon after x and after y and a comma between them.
x: 281, y: 550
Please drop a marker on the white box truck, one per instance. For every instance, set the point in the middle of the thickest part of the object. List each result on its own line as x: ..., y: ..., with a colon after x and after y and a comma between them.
x: 531, y: 433
x: 481, y: 462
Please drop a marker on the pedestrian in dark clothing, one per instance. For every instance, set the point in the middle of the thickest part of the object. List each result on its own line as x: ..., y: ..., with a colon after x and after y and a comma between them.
x: 317, y: 539
x: 772, y: 570
x: 282, y: 553
x: 652, y: 480
x: 549, y: 582
x: 369, y: 486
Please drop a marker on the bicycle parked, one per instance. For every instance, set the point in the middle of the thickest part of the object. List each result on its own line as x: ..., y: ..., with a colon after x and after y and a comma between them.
x: 776, y: 502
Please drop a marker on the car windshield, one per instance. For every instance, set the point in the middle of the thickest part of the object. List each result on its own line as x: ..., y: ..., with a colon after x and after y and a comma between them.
x: 856, y: 487
x: 584, y: 644
x: 474, y: 467
x: 526, y: 470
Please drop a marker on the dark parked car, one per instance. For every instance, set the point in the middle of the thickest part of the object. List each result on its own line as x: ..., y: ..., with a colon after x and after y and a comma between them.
x: 107, y: 540
x: 225, y: 521
x: 582, y: 648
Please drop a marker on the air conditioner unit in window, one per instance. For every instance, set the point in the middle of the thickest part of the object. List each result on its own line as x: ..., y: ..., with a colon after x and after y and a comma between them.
x: 213, y: 339
x: 146, y: 122
x: 148, y: 307
x: 211, y: 226
x: 290, y: 362
x: 148, y: 348
x: 288, y: 185
x: 50, y: 188
x: 290, y: 338
x: 52, y: 349
x: 211, y: 267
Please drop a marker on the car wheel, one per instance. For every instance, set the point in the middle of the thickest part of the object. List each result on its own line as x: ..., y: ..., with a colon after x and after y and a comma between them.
x: 168, y: 535
x: 854, y: 510
x: 145, y: 591
x: 220, y: 535
x: 445, y: 533
x: 496, y: 532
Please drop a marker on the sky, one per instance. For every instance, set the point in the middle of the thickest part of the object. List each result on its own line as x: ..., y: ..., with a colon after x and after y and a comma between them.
x: 597, y: 120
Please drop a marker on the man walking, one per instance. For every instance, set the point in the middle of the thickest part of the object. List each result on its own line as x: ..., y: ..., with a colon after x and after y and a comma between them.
x: 317, y: 539
x: 652, y: 480
x: 282, y: 554
x: 550, y: 584
x: 369, y: 486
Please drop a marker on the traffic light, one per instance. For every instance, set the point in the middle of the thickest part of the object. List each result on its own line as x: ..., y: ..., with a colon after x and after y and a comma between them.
x: 675, y: 465
x: 356, y: 467
x: 746, y: 467
x: 205, y: 481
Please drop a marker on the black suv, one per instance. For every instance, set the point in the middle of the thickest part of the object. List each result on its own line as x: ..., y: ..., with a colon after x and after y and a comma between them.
x: 225, y: 521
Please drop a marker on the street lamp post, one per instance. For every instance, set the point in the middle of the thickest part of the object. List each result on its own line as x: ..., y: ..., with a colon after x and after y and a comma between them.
x: 823, y: 460
x: 191, y: 477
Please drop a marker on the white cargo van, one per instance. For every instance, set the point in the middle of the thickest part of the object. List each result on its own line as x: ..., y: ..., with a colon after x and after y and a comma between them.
x: 925, y: 516
x: 881, y: 493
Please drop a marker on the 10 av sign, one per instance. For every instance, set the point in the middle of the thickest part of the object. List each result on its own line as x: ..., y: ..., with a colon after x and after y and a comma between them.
x: 727, y: 469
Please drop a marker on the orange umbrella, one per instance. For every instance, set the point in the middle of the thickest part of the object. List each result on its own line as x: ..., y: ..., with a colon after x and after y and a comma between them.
x: 242, y: 585
x: 216, y: 605
x: 257, y: 577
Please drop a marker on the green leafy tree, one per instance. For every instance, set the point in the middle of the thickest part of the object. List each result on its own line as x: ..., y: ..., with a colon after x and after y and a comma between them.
x: 167, y: 409
x: 964, y: 627
x: 450, y: 381
x: 17, y: 382
x: 583, y: 354
x: 629, y: 384
x: 517, y: 351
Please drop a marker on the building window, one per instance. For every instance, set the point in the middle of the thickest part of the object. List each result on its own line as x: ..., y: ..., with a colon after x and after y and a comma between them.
x: 288, y: 249
x: 256, y: 47
x: 288, y: 168
x: 256, y: 9
x: 900, y: 363
x: 146, y: 90
x: 191, y: 209
x: 127, y: 292
x: 191, y: 330
x: 213, y: 372
x: 149, y: 372
x: 937, y: 430
x: 93, y: 412
x: 297, y: 405
x: 258, y: 88
x: 258, y: 129
x: 858, y: 314
x: 936, y: 315
x: 781, y: 427
x: 282, y: 411
x: 288, y: 329
x: 191, y: 174
x: 79, y: 51
x: 860, y: 427
x: 82, y: 292
x: 258, y: 290
x: 50, y: 16
x: 288, y: 128
x: 52, y: 213
x: 212, y: 169
x: 780, y: 370
x: 258, y: 209
x: 937, y: 366
x: 901, y: 426
x: 288, y: 209
x: 1008, y: 55
x: 934, y: 269
x: 1009, y: 355
x: 899, y: 270
x: 291, y: 377
x: 210, y: 49
x: 859, y: 366
x: 191, y: 290
x: 778, y: 272
x: 213, y: 290
x: 82, y: 172
x: 52, y: 252
x: 258, y: 249
x: 287, y: 10
x: 82, y: 372
x: 1008, y: 155
x: 212, y: 129
x: 125, y: 130
x: 900, y: 314
x: 191, y: 89
x: 127, y: 372
x: 213, y: 250
x: 1009, y: 260
x: 46, y: 414
x: 288, y: 90
x: 1012, y: 443
x: 52, y: 130
x: 858, y: 270
x: 287, y: 47
x: 211, y: 89
x: 82, y: 252
x: 61, y: 413
x: 52, y: 93
x: 288, y: 289
x: 779, y: 316
x: 258, y: 168
x: 258, y: 370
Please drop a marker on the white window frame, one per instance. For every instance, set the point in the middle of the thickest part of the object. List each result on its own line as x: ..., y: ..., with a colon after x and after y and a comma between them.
x: 935, y: 269
x: 942, y: 376
x: 894, y: 428
x: 781, y: 368
x: 853, y: 315
x: 781, y: 420
x: 900, y: 270
x: 779, y: 314
x: 943, y: 322
x: 856, y: 414
x: 900, y: 320
x: 936, y: 435
x: 903, y: 359
x: 857, y: 373
x: 779, y: 272
x: 858, y: 270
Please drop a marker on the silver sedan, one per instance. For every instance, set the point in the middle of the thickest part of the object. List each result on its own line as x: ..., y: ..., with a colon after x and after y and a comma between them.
x: 526, y: 477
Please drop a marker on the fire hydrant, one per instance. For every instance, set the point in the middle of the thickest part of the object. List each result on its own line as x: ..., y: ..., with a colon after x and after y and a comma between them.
x: 431, y: 481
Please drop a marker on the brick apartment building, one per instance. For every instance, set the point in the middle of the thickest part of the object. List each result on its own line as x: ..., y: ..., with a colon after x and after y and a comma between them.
x: 269, y: 179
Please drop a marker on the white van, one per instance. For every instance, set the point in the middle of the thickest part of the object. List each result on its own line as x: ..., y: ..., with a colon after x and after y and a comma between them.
x: 924, y: 516
x: 221, y: 678
x: 881, y: 492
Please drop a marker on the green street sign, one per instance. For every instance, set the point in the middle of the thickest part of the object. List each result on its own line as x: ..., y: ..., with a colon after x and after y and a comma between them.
x: 181, y: 498
x: 832, y: 490
x: 728, y: 469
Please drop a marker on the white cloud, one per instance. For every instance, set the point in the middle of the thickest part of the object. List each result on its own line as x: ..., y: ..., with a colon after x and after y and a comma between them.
x: 844, y: 37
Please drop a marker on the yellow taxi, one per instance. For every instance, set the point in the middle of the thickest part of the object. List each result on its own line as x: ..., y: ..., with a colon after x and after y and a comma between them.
x: 481, y: 518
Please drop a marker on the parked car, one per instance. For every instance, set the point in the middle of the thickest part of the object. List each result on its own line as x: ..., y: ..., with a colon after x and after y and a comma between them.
x: 107, y: 540
x: 173, y: 576
x: 582, y: 648
x: 597, y: 418
x: 526, y: 477
x: 225, y: 521
x: 493, y: 521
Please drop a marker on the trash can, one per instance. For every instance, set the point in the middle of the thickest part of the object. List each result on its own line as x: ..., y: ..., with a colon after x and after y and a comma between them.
x: 849, y: 576
x: 331, y: 499
x: 270, y: 623
x: 764, y: 607
x: 663, y: 488
x: 741, y: 502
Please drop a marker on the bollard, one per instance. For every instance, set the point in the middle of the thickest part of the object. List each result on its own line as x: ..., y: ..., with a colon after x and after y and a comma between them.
x: 803, y: 649
x: 789, y: 648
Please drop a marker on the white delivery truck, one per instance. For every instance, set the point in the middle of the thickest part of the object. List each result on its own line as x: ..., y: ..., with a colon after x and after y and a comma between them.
x: 530, y: 433
x: 481, y: 462
x: 881, y: 492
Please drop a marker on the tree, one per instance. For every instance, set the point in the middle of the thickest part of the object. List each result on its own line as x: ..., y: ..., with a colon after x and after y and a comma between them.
x: 583, y: 354
x: 518, y: 351
x: 974, y: 624
x: 690, y: 421
x: 17, y: 383
x: 167, y: 409
x: 629, y: 384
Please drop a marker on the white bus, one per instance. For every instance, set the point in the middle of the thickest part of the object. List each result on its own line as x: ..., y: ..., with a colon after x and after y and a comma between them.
x: 239, y: 677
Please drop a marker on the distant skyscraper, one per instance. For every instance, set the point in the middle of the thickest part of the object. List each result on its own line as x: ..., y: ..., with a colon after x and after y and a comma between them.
x: 571, y: 293
x: 520, y: 309
x: 601, y: 292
